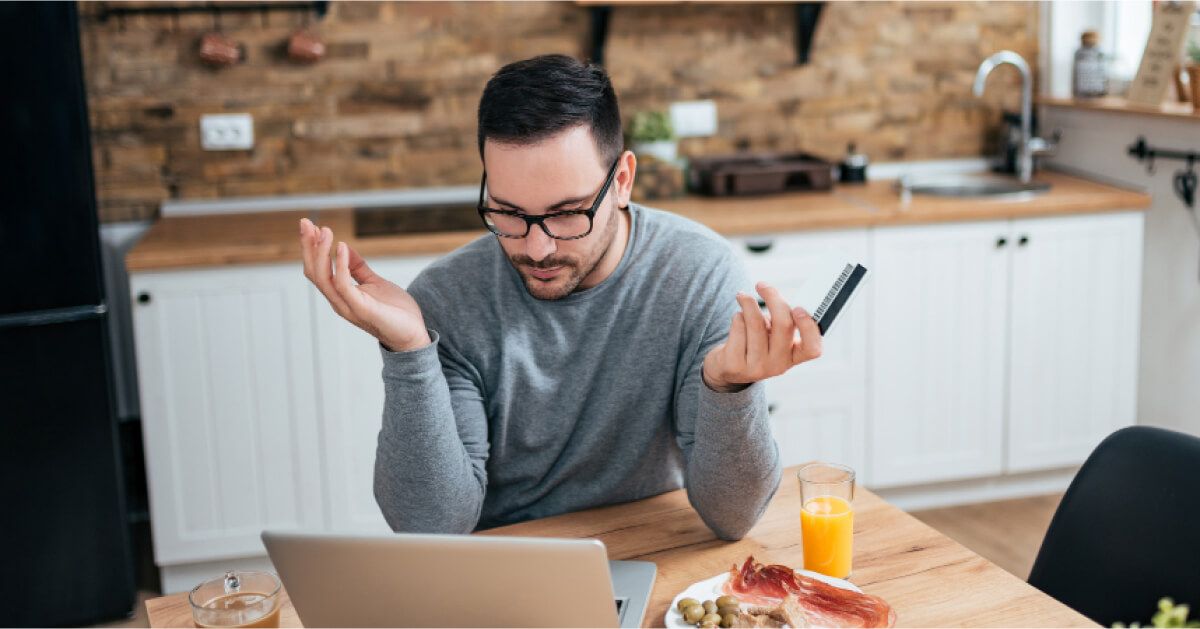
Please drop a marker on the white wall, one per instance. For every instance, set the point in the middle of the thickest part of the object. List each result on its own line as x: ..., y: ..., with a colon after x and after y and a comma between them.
x: 1096, y: 142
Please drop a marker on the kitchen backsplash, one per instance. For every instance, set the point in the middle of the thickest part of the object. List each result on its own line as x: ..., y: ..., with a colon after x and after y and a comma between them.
x: 392, y: 104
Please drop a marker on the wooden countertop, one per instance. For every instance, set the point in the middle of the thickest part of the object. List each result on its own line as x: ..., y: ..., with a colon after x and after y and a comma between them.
x: 271, y: 237
x: 1179, y: 111
x: 929, y: 579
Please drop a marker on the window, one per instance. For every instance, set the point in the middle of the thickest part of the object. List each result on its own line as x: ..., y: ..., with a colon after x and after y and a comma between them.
x: 1123, y: 27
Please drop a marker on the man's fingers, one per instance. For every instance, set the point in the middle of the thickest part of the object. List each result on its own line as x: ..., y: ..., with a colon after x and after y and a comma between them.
x: 308, y: 245
x: 756, y: 331
x: 358, y: 267
x: 735, y: 345
x: 310, y: 242
x: 323, y: 274
x: 781, y: 326
x: 809, y: 346
x: 344, y: 284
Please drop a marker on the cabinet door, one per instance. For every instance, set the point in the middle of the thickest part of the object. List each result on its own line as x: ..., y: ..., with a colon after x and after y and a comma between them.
x: 228, y: 408
x: 1076, y: 295
x: 938, y: 329
x: 818, y: 409
x: 350, y: 368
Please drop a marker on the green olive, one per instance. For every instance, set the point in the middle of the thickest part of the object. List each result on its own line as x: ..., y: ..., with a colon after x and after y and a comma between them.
x: 712, y: 618
x: 729, y: 620
x: 728, y: 609
x: 710, y: 607
x: 693, y: 614
x: 727, y: 601
x: 685, y: 603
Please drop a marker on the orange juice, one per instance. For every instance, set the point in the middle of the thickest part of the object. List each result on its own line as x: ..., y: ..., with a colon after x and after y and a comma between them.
x: 827, y: 527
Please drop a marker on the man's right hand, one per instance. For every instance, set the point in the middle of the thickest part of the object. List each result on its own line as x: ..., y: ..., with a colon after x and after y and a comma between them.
x: 361, y: 297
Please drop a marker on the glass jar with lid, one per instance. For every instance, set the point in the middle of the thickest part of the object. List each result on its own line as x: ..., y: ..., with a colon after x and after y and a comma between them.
x: 1090, y: 74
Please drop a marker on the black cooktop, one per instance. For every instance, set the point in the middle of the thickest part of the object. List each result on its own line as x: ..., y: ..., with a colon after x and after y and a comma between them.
x: 415, y: 219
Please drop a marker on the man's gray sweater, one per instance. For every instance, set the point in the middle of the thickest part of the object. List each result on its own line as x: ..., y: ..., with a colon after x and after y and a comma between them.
x: 523, y: 408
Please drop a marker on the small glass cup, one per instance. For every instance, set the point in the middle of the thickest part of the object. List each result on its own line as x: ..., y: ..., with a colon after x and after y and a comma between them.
x: 239, y: 599
x: 827, y: 518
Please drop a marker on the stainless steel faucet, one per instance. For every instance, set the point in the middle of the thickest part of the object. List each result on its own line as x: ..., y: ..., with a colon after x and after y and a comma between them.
x: 1029, y: 145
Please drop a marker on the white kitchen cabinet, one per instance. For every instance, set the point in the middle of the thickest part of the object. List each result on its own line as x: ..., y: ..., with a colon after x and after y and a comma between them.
x: 1076, y: 297
x: 349, y: 366
x: 229, y: 408
x: 973, y: 350
x: 818, y: 409
x: 1002, y: 347
x: 938, y: 333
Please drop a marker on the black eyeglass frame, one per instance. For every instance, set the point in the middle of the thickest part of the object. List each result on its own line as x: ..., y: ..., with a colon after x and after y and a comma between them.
x: 539, y: 220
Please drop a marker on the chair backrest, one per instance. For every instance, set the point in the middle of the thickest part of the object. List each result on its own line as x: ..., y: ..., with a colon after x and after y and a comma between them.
x: 1128, y: 530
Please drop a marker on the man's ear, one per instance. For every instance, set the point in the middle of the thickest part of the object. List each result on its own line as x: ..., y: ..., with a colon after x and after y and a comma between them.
x: 623, y: 180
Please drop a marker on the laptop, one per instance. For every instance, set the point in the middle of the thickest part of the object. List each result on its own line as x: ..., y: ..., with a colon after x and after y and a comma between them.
x: 418, y: 580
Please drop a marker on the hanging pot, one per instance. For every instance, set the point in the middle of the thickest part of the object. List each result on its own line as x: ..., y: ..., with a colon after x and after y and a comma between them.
x: 304, y: 46
x: 218, y: 50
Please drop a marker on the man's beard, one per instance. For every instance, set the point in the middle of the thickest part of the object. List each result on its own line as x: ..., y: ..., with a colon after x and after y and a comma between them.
x: 568, y: 279
x: 561, y: 285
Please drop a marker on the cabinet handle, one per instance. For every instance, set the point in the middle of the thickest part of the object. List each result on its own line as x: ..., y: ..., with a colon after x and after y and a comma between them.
x: 1000, y: 242
x: 143, y: 298
x: 760, y: 246
x: 1023, y: 240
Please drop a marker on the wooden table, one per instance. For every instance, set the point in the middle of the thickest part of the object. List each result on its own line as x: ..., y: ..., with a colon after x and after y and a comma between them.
x: 929, y: 579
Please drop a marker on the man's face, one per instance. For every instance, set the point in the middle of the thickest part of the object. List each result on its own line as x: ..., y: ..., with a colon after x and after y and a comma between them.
x: 563, y: 172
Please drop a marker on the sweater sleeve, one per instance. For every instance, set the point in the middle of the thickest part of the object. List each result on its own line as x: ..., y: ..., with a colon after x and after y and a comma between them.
x: 732, y: 462
x: 431, y: 456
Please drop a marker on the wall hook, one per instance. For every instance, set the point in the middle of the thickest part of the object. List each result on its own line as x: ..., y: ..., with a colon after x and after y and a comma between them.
x: 1185, y: 184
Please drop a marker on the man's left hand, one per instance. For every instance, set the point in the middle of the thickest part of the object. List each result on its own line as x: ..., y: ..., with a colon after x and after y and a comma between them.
x: 761, y: 346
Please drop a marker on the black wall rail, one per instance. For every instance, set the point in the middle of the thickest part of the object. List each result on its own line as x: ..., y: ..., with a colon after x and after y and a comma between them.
x: 112, y: 9
x: 1146, y: 153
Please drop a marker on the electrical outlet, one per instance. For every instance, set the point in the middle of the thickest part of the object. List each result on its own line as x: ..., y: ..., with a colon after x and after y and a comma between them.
x: 694, y: 118
x: 227, y: 132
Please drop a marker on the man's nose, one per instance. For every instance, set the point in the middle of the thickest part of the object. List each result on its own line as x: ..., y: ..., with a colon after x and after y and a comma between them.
x: 538, y: 245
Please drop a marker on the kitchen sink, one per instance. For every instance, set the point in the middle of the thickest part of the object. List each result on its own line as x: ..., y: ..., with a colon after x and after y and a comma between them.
x: 973, y: 185
x: 398, y: 220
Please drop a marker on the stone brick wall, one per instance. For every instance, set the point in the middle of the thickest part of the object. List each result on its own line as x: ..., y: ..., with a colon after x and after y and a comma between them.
x: 393, y: 102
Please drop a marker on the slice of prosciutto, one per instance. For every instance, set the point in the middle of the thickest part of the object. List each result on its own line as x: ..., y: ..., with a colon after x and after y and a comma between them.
x: 823, y: 605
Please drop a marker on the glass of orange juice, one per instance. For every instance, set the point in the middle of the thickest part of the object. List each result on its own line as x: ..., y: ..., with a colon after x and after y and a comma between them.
x: 827, y: 518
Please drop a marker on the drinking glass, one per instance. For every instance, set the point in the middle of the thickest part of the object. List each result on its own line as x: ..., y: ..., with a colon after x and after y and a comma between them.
x: 239, y: 599
x: 827, y: 518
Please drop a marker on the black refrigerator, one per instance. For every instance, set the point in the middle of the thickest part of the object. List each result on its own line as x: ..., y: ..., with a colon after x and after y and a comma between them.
x: 64, y: 536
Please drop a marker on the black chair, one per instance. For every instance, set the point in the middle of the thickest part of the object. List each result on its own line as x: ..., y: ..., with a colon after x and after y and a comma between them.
x: 1128, y: 530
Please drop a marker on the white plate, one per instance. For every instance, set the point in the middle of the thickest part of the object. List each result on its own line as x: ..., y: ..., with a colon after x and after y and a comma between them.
x: 710, y: 589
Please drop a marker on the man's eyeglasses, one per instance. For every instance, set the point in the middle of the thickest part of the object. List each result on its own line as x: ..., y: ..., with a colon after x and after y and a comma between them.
x: 565, y: 225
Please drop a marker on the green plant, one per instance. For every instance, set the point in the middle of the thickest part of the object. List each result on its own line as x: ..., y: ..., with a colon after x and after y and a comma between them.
x: 1169, y: 615
x: 1193, y: 51
x: 650, y: 126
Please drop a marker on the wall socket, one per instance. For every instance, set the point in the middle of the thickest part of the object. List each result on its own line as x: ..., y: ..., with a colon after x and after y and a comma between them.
x: 694, y: 118
x: 227, y: 132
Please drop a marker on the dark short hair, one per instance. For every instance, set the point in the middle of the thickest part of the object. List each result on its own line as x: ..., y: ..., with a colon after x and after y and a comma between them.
x: 528, y: 101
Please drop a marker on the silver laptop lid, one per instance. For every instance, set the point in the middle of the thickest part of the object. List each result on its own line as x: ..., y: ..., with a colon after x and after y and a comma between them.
x: 444, y: 580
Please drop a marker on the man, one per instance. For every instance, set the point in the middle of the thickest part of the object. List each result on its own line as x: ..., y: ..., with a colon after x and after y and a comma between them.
x: 587, y: 352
